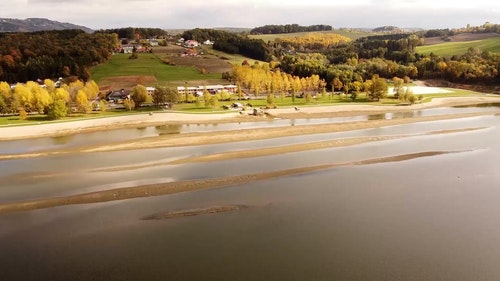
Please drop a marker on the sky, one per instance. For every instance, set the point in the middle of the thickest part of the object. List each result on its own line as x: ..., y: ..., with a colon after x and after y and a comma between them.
x: 187, y: 14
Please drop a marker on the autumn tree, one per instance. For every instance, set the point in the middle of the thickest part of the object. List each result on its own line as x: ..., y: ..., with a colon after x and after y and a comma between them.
x: 398, y: 86
x: 23, y: 97
x: 82, y: 102
x: 377, y: 89
x: 129, y: 104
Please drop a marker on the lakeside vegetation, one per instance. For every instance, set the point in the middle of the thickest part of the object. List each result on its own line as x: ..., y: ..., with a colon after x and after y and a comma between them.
x: 295, y: 69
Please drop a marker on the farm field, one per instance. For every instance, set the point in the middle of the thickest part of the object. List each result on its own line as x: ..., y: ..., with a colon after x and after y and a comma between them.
x: 458, y: 48
x: 353, y: 35
x: 149, y: 68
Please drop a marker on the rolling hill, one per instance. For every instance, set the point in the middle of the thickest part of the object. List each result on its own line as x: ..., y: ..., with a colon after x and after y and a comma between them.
x: 459, y: 44
x: 36, y: 24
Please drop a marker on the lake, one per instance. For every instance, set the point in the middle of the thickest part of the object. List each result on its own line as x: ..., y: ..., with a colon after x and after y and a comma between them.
x: 428, y: 218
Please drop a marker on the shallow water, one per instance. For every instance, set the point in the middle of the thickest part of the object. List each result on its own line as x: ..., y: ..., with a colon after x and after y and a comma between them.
x: 431, y: 218
x: 120, y: 135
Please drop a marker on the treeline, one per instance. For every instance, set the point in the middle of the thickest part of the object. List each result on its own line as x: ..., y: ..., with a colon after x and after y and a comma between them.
x: 231, y: 43
x: 289, y: 28
x: 363, y: 58
x: 261, y: 78
x: 133, y: 33
x: 485, y: 28
x: 313, y: 41
x: 56, y: 101
x: 51, y: 54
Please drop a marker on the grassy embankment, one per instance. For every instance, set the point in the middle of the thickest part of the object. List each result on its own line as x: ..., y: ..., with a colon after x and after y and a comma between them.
x: 459, y: 48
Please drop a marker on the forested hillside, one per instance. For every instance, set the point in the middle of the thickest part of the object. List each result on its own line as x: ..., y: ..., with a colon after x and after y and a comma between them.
x: 289, y: 28
x: 52, y: 54
x: 136, y: 33
x: 231, y: 43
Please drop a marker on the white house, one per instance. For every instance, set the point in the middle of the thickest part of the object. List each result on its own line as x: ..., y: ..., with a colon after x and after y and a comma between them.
x: 191, y: 43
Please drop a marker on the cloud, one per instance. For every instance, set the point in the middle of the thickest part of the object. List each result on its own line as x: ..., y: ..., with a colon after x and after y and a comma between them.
x: 99, y: 14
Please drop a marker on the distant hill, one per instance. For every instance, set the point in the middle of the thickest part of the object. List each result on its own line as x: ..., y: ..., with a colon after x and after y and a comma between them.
x: 387, y: 29
x: 228, y: 29
x: 36, y: 24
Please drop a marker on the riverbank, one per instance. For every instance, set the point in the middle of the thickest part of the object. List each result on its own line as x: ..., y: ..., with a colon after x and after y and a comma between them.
x: 163, y: 118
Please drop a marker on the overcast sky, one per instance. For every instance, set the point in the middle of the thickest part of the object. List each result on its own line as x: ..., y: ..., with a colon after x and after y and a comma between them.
x: 102, y: 14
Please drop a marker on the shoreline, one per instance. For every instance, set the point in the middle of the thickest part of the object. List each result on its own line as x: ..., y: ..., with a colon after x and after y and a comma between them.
x: 163, y: 118
x: 192, y: 139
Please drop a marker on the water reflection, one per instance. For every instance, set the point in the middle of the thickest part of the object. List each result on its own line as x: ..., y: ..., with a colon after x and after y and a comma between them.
x: 118, y: 135
x: 430, y: 218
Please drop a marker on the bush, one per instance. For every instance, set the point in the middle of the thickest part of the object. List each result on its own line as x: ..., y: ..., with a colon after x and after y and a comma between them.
x: 57, y: 110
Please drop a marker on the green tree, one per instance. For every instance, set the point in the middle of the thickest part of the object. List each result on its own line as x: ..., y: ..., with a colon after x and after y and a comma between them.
x: 191, y: 98
x: 378, y: 88
x: 57, y: 110
x: 398, y: 86
x: 159, y: 95
x: 308, y: 98
x: 213, y: 102
x: 139, y: 95
x: 270, y: 100
x: 172, y: 96
x: 206, y: 97
x: 353, y: 96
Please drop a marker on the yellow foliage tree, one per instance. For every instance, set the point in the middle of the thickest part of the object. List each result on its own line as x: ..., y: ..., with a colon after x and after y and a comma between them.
x: 82, y: 102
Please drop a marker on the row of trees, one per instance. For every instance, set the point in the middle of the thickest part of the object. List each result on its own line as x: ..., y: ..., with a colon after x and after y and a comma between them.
x: 47, y: 98
x: 289, y: 28
x: 58, y: 53
x: 259, y: 78
x: 313, y: 41
x: 135, y: 33
x: 485, y: 28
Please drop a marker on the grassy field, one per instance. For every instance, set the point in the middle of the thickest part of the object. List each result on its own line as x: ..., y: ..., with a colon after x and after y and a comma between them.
x: 353, y: 35
x: 458, y: 48
x: 148, y: 65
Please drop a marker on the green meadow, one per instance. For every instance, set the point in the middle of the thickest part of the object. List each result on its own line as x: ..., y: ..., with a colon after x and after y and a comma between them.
x: 148, y: 65
x: 459, y: 48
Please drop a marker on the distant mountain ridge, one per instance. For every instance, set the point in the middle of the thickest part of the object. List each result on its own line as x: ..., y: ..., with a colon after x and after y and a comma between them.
x: 36, y: 24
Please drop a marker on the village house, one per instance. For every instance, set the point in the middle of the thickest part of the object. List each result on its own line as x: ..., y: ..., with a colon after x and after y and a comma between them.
x: 191, y: 44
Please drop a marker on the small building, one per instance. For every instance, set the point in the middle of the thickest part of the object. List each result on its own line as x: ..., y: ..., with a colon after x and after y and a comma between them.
x: 191, y: 44
x: 118, y: 96
x: 208, y: 42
